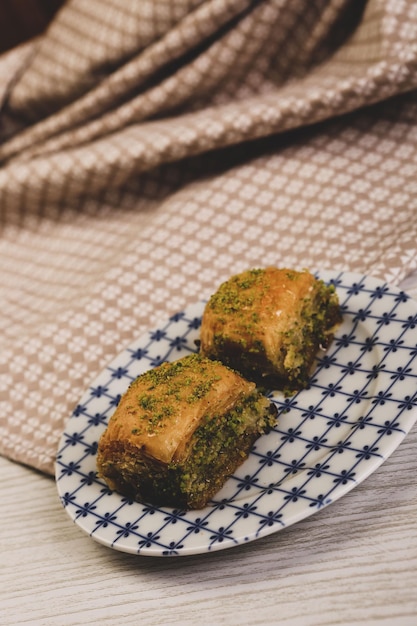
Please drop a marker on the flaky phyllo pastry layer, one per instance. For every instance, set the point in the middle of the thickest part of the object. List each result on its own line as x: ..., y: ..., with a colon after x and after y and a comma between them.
x: 269, y: 325
x: 180, y: 430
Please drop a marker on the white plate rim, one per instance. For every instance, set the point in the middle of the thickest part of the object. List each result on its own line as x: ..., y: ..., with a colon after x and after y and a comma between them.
x: 122, y: 536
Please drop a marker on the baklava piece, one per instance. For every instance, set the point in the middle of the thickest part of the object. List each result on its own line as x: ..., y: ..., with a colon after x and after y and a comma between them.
x: 269, y: 324
x: 180, y: 430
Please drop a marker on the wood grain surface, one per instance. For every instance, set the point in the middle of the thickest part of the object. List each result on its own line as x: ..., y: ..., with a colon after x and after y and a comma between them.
x: 353, y: 563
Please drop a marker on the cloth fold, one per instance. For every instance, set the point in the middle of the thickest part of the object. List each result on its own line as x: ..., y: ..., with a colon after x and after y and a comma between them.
x: 150, y: 150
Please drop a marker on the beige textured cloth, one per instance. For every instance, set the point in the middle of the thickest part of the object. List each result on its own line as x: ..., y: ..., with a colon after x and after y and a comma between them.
x: 150, y: 149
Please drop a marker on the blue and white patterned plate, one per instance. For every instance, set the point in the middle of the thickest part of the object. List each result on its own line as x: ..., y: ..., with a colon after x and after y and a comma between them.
x: 360, y: 404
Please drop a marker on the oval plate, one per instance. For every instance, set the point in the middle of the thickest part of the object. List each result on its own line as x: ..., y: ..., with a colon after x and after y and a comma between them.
x: 359, y: 405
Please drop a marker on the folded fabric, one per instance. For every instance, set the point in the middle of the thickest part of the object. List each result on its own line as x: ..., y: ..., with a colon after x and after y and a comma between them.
x: 150, y: 150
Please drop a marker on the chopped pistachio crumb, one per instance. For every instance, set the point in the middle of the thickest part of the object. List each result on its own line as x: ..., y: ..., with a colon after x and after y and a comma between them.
x: 166, y: 387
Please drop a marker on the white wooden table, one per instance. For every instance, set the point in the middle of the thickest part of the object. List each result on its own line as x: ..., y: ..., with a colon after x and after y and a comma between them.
x: 355, y: 562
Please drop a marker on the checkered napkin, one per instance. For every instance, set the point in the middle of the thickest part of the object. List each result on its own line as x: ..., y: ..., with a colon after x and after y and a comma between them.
x: 151, y: 149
